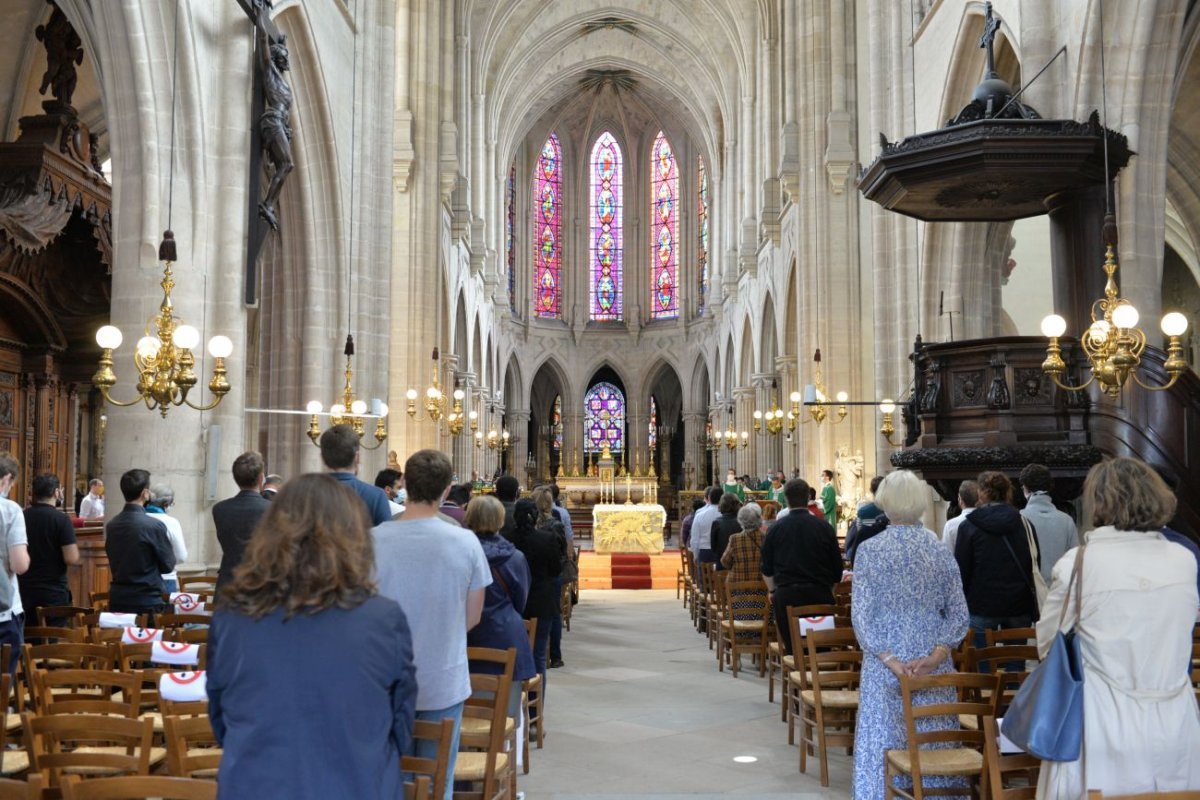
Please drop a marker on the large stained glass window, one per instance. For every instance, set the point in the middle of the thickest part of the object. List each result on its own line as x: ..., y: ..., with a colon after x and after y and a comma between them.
x: 510, y: 250
x: 556, y: 423
x: 664, y: 231
x: 653, y: 440
x: 604, y: 418
x: 547, y: 231
x: 702, y: 206
x: 606, y: 244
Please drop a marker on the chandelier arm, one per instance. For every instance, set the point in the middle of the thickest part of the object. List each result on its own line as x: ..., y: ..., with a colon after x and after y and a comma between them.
x: 1070, y: 388
x: 108, y: 399
x: 208, y: 407
x: 363, y: 444
x: 1149, y: 388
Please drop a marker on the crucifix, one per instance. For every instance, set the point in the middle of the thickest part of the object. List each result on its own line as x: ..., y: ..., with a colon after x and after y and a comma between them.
x: 991, y: 26
x: 270, y: 135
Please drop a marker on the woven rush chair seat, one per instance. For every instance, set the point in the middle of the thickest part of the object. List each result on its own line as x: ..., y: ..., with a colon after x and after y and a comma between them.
x: 474, y: 725
x: 136, y: 787
x: 473, y: 766
x: 954, y: 761
x: 832, y: 698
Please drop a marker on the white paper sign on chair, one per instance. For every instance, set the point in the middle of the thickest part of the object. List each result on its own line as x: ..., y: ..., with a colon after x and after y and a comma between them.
x: 111, y: 619
x: 183, y: 687
x: 175, y: 653
x: 187, y: 603
x: 807, y: 624
x: 140, y: 635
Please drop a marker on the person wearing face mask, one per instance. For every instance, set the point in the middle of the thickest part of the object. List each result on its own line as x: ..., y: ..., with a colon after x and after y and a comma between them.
x: 733, y: 486
x: 92, y: 506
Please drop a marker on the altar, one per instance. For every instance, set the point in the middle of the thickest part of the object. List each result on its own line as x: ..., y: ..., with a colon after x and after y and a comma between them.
x: 628, y: 527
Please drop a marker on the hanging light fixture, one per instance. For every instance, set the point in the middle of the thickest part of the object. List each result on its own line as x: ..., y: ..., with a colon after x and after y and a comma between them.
x: 349, y: 410
x: 1113, y: 343
x: 434, y: 405
x: 772, y: 418
x: 816, y: 398
x: 163, y: 356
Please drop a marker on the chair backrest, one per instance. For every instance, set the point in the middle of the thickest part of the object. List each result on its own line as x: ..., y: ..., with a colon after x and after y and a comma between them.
x: 842, y: 592
x: 952, y: 701
x: 419, y: 788
x: 198, y: 583
x: 191, y: 745
x: 67, y: 655
x: 1003, y: 767
x: 67, y: 616
x: 489, y: 696
x: 55, y: 743
x: 440, y: 733
x: 798, y: 630
x: 141, y: 656
x: 1011, y: 662
x: 136, y: 787
x: 47, y: 634
x: 99, y: 601
x: 834, y: 660
x: 1022, y: 636
x: 168, y: 621
x: 750, y: 597
x: 86, y: 691
x: 99, y: 635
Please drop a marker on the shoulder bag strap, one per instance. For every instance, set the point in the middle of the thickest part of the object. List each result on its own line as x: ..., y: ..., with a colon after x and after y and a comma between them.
x: 500, y: 580
x: 1076, y: 581
x: 1017, y: 561
x: 1029, y: 537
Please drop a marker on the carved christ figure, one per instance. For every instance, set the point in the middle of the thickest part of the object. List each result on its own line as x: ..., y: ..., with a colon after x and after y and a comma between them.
x: 277, y: 106
x: 63, y: 51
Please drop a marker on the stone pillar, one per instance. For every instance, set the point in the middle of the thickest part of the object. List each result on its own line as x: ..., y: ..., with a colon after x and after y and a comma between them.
x: 695, y: 452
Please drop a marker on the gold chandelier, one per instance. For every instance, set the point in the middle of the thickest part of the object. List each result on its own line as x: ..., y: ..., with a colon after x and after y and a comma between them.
x: 816, y: 398
x: 163, y: 359
x: 772, y: 418
x: 435, y: 400
x: 1113, y: 343
x: 350, y: 410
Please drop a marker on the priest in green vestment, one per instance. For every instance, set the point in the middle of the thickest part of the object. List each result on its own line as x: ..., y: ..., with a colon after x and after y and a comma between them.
x: 828, y: 497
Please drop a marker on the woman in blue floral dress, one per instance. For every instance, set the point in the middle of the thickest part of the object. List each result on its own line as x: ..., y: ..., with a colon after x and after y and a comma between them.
x: 909, y: 613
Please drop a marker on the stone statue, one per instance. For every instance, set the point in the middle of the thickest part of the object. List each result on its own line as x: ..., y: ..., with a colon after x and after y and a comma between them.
x: 274, y: 124
x: 64, y: 50
x: 849, y: 470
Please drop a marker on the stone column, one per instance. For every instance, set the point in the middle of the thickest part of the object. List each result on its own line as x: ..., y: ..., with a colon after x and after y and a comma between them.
x: 695, y: 452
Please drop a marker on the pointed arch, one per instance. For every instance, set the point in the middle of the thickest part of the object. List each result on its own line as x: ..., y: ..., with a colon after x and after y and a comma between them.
x: 702, y: 227
x: 768, y: 346
x: 606, y: 249
x: 548, y: 230
x: 746, y: 359
x: 664, y: 230
x: 605, y: 412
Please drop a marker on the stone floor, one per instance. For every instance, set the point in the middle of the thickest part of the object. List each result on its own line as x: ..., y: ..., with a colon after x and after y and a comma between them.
x: 640, y: 711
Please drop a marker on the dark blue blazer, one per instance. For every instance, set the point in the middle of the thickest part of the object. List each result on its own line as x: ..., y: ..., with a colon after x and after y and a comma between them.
x: 378, y: 508
x: 315, y: 706
x: 235, y: 519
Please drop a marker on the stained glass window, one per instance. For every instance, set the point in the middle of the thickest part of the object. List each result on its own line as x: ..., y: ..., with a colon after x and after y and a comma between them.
x: 702, y: 207
x: 547, y: 230
x: 604, y: 418
x: 510, y: 251
x: 653, y: 423
x: 556, y: 423
x: 664, y: 231
x: 606, y: 244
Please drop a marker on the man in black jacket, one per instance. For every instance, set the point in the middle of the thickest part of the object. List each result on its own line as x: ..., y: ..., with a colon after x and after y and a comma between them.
x: 237, y: 517
x: 139, y: 552
x: 800, y: 559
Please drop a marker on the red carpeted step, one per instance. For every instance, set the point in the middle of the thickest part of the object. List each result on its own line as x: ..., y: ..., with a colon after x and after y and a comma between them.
x: 631, y: 571
x: 619, y: 582
x: 630, y: 559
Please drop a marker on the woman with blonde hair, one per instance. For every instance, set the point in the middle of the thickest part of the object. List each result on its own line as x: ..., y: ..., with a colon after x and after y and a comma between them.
x: 1141, y: 724
x: 307, y: 666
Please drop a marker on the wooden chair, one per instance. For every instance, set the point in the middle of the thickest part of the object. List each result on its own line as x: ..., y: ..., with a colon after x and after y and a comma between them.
x: 745, y: 623
x: 842, y: 592
x: 431, y: 769
x: 68, y: 614
x: 97, y: 635
x: 532, y: 703
x: 88, y: 744
x: 30, y: 789
x: 136, y: 787
x: 171, y: 621
x: 485, y: 763
x: 565, y: 606
x: 681, y: 575
x: 794, y: 679
x: 12, y: 762
x: 1010, y: 776
x: 99, y: 601
x: 705, y: 601
x: 85, y: 691
x: 198, y: 583
x: 1007, y: 636
x: 714, y: 602
x: 60, y: 655
x: 140, y: 656
x: 192, y: 748
x: 959, y: 752
x: 47, y: 634
x: 1012, y: 662
x: 785, y: 663
x: 829, y: 706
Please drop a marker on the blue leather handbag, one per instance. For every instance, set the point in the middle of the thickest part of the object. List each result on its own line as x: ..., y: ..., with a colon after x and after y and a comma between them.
x: 1045, y: 717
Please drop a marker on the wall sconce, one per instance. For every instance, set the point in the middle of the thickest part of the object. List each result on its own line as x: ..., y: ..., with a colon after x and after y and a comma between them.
x: 887, y: 407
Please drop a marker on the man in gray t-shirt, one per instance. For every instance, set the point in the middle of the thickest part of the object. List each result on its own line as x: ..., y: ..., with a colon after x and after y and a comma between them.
x: 438, y: 574
x: 14, y: 560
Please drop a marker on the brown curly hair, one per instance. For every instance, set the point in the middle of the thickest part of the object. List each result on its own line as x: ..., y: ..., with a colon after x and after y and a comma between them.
x: 311, y: 551
x: 1129, y: 495
x: 994, y: 487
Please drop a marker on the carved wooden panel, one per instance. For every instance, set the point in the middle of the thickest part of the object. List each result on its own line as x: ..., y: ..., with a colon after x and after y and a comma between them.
x: 1031, y: 387
x: 968, y: 389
